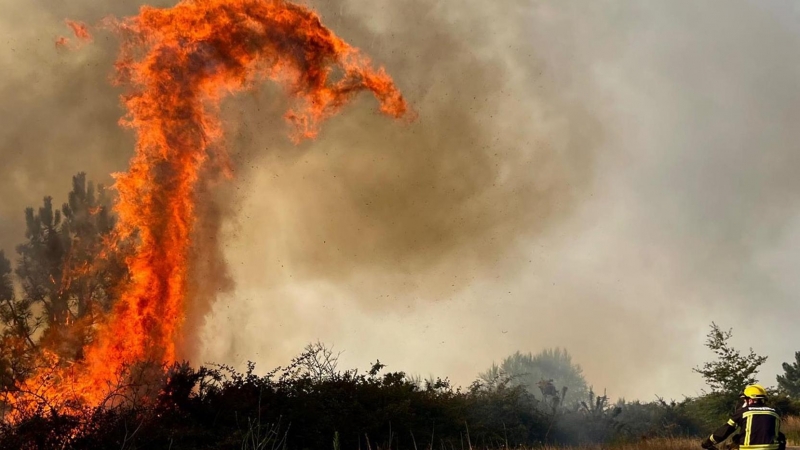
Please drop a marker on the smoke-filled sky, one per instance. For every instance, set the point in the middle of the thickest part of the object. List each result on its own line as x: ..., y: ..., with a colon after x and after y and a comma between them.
x: 605, y: 176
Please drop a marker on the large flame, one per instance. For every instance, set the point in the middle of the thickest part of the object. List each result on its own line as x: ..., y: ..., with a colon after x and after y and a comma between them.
x: 179, y: 63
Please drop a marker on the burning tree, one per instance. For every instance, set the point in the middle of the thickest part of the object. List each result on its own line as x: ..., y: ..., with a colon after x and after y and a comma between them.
x: 66, y: 269
x: 66, y: 279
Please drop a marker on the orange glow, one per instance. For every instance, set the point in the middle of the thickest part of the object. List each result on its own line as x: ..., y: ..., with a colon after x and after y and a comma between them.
x: 178, y: 64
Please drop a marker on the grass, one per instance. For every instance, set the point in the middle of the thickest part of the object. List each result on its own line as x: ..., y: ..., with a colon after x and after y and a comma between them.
x: 791, y: 428
x: 653, y: 444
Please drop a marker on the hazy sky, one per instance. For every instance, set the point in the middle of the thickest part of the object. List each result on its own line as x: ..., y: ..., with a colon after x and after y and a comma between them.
x: 601, y: 175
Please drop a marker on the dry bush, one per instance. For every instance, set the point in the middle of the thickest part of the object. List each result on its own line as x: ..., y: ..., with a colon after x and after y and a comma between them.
x: 791, y: 428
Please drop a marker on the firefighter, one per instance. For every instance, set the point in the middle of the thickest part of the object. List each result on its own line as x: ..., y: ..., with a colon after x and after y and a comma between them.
x: 758, y: 425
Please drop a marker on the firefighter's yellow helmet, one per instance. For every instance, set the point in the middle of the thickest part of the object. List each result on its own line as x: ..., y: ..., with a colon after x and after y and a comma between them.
x: 755, y: 391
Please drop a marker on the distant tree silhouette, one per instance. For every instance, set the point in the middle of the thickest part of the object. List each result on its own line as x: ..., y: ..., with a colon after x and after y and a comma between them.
x: 549, y: 368
x: 789, y: 382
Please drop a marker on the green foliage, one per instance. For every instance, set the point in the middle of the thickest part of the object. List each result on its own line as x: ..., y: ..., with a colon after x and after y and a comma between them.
x: 785, y: 405
x: 789, y: 382
x: 659, y: 419
x: 551, y: 368
x: 711, y: 410
x: 731, y: 371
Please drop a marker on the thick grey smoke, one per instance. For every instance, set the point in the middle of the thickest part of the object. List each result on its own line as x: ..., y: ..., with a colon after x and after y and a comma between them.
x: 684, y: 135
x: 601, y: 175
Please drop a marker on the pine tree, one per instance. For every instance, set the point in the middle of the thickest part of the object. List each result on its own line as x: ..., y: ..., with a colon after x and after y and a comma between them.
x: 41, y: 262
x: 87, y: 226
x: 66, y: 267
x: 789, y: 382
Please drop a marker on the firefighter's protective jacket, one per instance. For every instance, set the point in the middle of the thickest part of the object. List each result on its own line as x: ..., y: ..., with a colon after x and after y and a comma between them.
x: 759, y: 429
